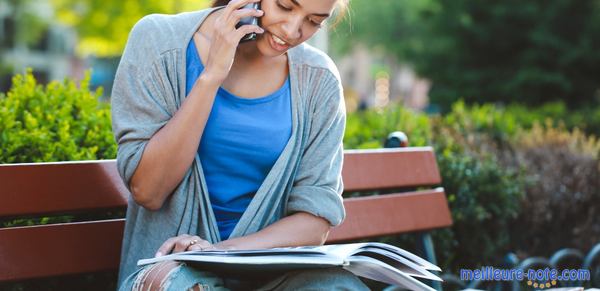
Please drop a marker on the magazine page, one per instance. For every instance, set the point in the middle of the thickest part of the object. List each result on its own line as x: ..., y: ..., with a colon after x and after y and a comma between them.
x: 376, y: 261
x: 373, y: 269
x: 416, y: 259
x: 252, y: 257
x: 398, y: 262
x: 365, y: 249
x: 338, y: 250
x: 347, y: 250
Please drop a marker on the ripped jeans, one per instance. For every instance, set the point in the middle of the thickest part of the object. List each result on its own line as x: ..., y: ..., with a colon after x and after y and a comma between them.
x: 172, y: 275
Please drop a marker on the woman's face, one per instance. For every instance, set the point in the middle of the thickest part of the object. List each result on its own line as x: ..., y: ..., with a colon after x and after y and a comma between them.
x: 288, y: 23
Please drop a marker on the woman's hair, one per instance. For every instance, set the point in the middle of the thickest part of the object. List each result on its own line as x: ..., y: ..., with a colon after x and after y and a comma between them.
x: 342, y: 7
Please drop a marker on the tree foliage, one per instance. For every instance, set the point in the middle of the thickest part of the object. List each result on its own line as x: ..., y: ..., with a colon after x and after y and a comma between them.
x: 103, y: 25
x: 489, y: 51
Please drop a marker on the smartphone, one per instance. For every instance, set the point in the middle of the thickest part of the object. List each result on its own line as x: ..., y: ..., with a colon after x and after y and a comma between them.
x: 249, y: 20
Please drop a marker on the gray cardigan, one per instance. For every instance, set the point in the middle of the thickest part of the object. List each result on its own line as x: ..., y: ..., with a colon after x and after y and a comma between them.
x: 149, y: 88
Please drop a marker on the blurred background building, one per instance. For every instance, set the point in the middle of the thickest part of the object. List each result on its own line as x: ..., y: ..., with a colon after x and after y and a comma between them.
x: 374, y: 79
x: 30, y: 37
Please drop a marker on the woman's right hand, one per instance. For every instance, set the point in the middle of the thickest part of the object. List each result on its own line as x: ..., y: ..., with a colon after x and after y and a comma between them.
x: 182, y: 243
x: 226, y: 37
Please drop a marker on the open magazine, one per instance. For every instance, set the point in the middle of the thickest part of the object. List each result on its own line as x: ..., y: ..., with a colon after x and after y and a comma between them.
x: 376, y: 261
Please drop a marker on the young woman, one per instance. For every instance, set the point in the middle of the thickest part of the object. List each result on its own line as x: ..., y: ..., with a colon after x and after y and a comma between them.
x: 229, y: 145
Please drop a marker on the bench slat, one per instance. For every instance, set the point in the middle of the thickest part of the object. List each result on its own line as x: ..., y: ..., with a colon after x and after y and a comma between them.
x: 389, y: 168
x: 72, y: 248
x: 84, y: 186
x: 391, y: 214
x: 60, y: 187
x: 94, y: 246
x: 40, y: 251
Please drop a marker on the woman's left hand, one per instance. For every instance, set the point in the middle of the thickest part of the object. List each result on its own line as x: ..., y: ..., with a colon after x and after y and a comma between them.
x: 182, y: 243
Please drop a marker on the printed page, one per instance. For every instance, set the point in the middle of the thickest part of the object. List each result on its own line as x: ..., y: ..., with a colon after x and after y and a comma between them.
x: 250, y: 258
x: 379, y: 271
x: 416, y: 259
x: 394, y: 260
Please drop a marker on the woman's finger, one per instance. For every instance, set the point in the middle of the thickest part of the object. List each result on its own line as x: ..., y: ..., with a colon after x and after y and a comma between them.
x: 237, y: 15
x: 235, y: 5
x: 183, y: 243
x: 246, y: 29
x: 167, y: 246
x: 201, y: 245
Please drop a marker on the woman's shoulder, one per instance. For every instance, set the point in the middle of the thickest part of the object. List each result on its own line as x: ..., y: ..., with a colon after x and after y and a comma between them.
x: 310, y: 58
x: 158, y: 23
x: 317, y: 65
x: 154, y: 34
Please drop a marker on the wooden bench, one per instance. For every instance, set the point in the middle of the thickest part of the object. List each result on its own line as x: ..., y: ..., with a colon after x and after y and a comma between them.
x: 90, y: 189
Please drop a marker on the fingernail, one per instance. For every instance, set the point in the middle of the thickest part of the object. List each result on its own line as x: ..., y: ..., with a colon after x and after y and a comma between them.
x: 158, y: 254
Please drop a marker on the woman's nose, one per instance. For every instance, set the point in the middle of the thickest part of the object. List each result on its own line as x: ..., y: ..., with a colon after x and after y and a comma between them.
x: 293, y: 28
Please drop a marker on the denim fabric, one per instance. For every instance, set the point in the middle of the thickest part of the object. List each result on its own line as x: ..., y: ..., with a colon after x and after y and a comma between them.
x: 185, y: 277
x: 180, y: 278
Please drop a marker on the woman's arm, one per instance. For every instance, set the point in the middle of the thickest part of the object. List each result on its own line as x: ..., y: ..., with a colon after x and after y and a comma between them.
x: 170, y: 152
x: 298, y: 229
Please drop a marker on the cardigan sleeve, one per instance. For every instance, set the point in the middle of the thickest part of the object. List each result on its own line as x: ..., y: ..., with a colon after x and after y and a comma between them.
x: 143, y: 98
x: 318, y: 186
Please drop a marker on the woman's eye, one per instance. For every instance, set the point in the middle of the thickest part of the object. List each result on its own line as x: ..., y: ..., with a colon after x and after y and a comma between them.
x: 315, y: 23
x: 283, y: 7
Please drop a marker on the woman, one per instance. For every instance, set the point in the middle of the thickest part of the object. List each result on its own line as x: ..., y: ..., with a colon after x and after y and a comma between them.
x: 229, y: 145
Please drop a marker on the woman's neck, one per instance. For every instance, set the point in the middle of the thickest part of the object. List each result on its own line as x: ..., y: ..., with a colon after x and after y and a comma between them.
x: 248, y: 51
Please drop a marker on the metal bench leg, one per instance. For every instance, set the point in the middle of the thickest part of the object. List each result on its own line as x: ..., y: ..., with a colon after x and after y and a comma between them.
x: 425, y: 247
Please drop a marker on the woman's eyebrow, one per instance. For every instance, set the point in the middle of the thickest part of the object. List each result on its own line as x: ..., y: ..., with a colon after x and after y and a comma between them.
x: 316, y: 14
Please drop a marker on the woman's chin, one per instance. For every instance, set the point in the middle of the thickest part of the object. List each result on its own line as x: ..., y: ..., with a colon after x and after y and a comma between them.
x: 265, y: 48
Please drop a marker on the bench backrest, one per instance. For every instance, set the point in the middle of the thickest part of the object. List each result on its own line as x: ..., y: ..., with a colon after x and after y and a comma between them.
x: 50, y: 189
x: 400, y: 212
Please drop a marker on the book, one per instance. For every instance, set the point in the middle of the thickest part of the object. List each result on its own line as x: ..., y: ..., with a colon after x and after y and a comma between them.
x: 376, y: 261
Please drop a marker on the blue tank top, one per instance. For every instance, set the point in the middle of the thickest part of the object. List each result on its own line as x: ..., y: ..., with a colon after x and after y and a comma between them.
x: 241, y: 141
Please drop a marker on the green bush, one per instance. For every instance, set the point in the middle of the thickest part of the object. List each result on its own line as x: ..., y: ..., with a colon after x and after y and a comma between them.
x: 517, y: 179
x: 484, y: 199
x: 559, y: 163
x: 483, y: 196
x: 561, y: 205
x: 503, y: 122
x: 482, y: 119
x: 57, y: 122
x: 370, y: 128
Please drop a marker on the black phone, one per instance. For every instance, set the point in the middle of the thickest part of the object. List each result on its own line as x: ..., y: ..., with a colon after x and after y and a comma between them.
x: 249, y: 20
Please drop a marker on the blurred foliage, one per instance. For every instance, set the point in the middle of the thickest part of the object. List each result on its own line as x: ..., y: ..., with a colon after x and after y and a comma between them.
x: 57, y: 122
x: 562, y: 202
x: 386, y: 25
x: 516, y: 179
x: 559, y: 170
x: 103, y: 25
x: 369, y: 129
x: 483, y: 197
x: 510, y: 119
x: 499, y: 51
